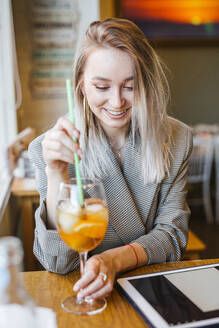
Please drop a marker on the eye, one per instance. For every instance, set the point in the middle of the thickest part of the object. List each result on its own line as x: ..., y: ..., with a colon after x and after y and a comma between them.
x: 101, y: 88
x: 128, y: 88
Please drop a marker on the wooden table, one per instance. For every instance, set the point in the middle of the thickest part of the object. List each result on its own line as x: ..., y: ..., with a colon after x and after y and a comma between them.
x: 49, y: 289
x: 25, y: 190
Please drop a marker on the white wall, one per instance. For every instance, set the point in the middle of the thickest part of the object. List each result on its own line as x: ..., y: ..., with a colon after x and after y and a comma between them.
x: 89, y: 12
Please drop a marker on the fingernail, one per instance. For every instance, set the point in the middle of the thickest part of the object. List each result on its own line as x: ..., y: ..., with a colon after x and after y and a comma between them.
x: 75, y: 134
x: 88, y: 298
x: 80, y: 295
x: 76, y: 287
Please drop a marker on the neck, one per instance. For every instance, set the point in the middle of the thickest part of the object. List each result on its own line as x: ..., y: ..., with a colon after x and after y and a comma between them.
x: 116, y: 137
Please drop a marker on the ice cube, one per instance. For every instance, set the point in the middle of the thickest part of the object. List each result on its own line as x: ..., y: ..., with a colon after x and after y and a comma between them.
x: 94, y: 207
x: 68, y: 216
x: 68, y: 207
x: 67, y: 222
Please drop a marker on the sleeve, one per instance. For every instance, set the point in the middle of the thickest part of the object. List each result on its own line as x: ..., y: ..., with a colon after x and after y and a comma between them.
x: 49, y: 249
x: 168, y: 238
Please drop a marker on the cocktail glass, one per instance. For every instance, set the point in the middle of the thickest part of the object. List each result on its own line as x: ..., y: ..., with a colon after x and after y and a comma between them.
x: 82, y: 228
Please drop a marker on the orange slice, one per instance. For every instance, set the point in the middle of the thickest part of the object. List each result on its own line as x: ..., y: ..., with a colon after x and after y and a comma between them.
x: 91, y: 229
x: 78, y: 242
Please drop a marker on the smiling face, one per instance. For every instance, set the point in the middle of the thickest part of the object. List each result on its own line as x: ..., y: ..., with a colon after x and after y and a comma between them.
x: 108, y: 84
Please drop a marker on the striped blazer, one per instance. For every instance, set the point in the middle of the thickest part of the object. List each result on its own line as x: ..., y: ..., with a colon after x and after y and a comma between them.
x: 155, y: 215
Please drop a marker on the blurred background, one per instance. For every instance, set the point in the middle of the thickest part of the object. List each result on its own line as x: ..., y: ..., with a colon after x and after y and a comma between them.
x: 38, y: 42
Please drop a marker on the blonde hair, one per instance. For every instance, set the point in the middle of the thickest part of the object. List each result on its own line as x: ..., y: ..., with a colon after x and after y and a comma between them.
x: 149, y: 120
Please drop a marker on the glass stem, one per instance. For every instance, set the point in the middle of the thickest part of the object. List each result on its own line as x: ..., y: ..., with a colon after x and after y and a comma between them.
x: 83, y: 259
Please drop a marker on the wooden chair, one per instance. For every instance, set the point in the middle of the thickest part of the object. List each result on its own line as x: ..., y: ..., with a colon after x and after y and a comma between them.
x: 194, y: 247
x: 24, y: 190
x: 24, y: 197
x: 216, y: 147
x: 200, y: 168
x: 21, y: 143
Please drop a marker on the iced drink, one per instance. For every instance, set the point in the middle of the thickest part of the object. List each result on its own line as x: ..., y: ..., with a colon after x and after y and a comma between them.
x: 82, y: 229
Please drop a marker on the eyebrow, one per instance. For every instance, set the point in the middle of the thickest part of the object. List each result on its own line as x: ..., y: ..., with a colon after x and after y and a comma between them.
x: 108, y: 80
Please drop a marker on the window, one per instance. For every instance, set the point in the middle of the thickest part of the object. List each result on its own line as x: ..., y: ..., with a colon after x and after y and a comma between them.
x: 9, y: 81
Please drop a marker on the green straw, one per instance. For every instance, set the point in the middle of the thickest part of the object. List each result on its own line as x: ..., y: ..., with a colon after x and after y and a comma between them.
x: 76, y: 158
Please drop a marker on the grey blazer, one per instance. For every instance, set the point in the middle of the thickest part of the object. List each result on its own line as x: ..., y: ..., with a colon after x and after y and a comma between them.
x: 155, y: 215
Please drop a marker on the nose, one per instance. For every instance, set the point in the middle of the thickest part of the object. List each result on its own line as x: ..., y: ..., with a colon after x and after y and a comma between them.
x: 116, y: 99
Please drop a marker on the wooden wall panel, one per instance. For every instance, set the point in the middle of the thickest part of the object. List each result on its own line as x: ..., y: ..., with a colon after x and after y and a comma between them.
x: 107, y: 8
x: 40, y: 114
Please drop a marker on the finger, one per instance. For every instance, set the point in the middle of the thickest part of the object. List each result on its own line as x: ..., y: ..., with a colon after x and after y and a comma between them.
x: 61, y: 136
x: 65, y: 123
x: 86, y: 279
x: 91, y: 272
x: 92, y: 287
x: 58, y: 139
x: 103, y: 292
x: 60, y: 147
x: 56, y: 156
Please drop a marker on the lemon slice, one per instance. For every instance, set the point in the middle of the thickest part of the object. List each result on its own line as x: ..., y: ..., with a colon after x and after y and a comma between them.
x: 91, y: 229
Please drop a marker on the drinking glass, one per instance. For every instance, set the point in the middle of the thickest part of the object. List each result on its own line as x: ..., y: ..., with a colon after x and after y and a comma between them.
x: 82, y: 228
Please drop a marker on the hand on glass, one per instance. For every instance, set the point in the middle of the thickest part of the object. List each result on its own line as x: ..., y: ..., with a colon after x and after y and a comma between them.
x: 98, y: 278
x: 83, y: 229
x: 58, y: 146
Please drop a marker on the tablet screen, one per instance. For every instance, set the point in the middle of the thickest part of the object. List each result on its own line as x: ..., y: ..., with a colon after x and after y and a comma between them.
x: 182, y: 297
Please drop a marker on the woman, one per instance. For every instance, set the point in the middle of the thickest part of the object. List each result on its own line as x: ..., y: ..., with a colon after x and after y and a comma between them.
x: 128, y: 141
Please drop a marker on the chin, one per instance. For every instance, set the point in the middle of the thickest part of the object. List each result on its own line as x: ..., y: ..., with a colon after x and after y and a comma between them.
x: 118, y: 126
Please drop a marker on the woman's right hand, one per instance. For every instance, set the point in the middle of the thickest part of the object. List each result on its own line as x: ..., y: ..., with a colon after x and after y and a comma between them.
x: 59, y: 147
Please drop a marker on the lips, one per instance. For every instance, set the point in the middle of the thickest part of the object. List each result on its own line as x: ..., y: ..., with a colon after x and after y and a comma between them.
x: 116, y: 114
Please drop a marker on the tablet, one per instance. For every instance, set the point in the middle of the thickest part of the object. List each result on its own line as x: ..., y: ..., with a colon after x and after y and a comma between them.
x: 187, y: 297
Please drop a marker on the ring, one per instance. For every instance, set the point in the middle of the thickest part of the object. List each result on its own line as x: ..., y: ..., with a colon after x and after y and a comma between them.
x: 103, y: 276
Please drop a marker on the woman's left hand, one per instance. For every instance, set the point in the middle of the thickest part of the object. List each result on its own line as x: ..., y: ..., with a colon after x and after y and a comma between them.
x: 98, y: 277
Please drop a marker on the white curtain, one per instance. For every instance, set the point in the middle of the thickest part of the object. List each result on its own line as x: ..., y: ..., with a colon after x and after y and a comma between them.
x: 9, y: 81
